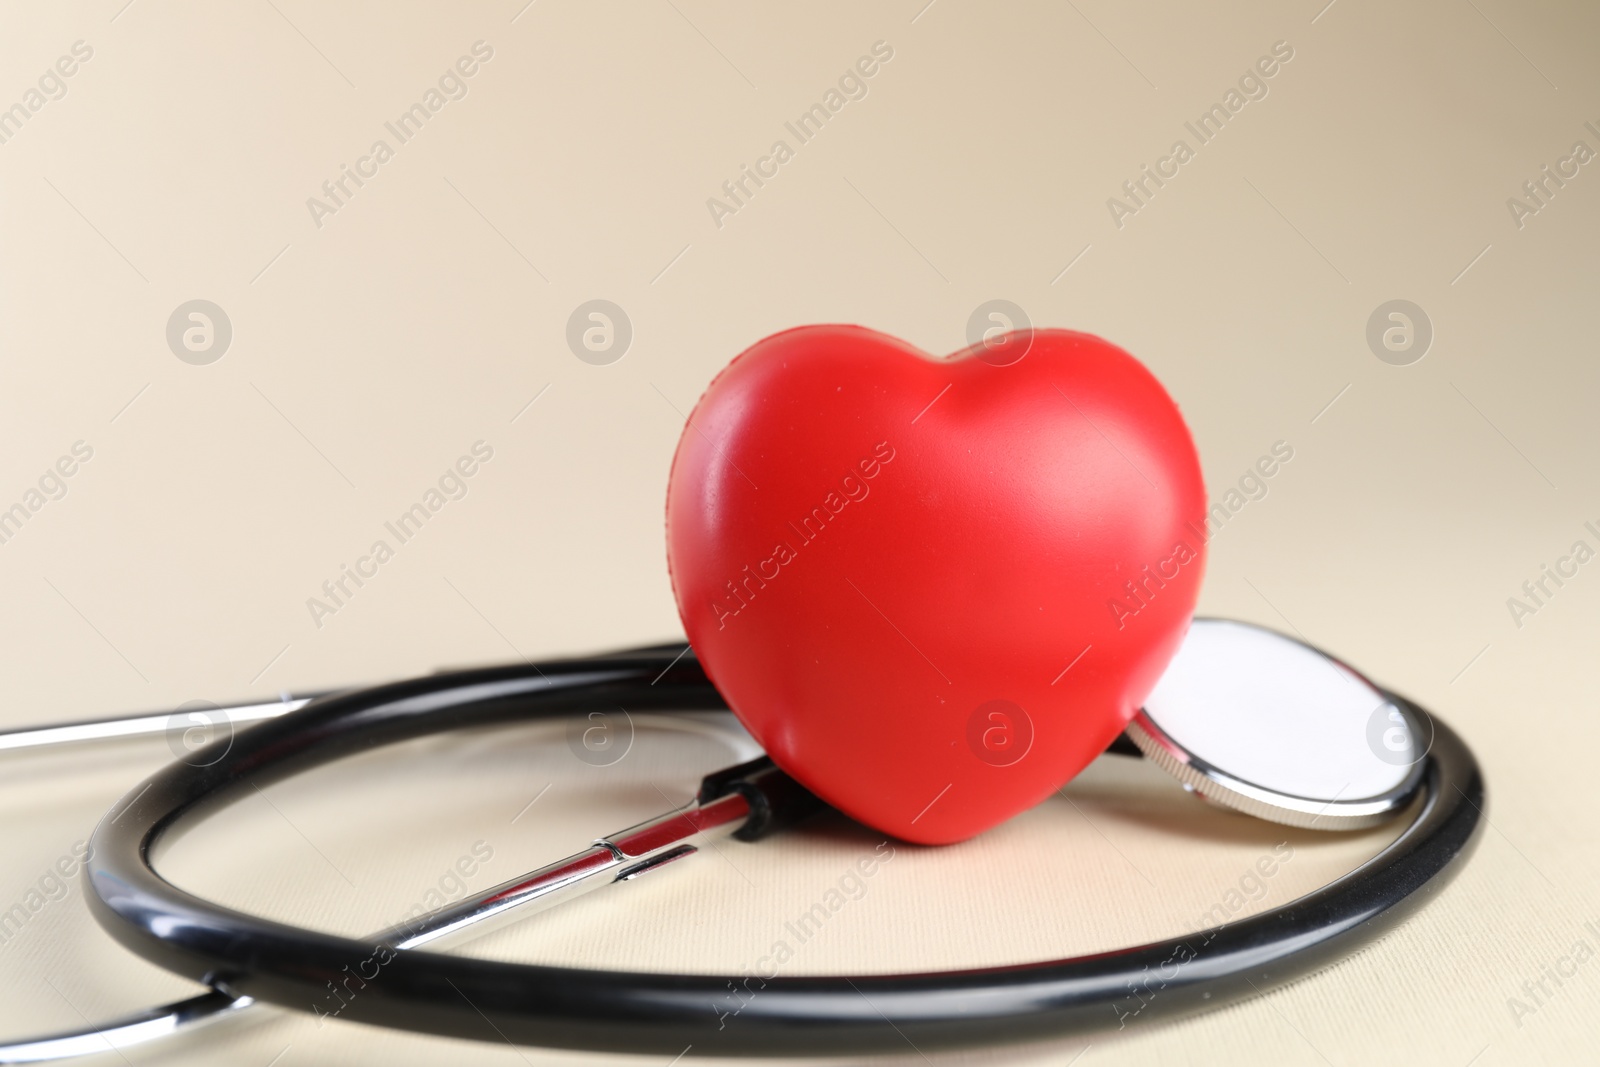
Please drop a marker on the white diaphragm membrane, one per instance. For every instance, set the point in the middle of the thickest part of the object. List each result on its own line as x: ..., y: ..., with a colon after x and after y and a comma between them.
x: 1263, y: 723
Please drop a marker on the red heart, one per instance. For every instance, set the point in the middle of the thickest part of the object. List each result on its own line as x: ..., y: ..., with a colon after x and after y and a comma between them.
x: 934, y: 590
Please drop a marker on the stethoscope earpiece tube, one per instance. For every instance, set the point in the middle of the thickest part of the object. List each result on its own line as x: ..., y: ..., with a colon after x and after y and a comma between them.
x: 421, y: 990
x: 776, y: 800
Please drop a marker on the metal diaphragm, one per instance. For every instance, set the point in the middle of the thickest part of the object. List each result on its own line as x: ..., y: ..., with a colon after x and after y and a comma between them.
x: 1265, y: 724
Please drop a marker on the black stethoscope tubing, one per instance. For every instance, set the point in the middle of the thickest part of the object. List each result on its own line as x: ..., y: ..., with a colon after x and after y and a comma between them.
x: 618, y: 1011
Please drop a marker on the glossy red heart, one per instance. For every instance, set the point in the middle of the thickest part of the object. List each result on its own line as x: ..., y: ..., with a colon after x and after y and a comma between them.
x: 935, y: 589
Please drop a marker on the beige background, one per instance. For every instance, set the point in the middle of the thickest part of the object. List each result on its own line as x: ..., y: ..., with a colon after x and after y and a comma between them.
x: 369, y: 353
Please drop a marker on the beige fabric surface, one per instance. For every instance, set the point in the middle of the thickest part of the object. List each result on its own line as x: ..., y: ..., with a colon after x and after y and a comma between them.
x: 374, y: 344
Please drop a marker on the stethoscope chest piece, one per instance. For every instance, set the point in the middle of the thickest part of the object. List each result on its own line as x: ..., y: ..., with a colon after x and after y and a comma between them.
x: 1262, y: 723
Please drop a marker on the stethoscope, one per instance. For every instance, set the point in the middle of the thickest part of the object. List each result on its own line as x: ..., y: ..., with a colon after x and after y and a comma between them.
x: 1243, y: 717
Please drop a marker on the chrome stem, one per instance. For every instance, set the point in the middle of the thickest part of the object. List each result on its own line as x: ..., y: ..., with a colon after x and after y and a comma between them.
x: 618, y: 857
